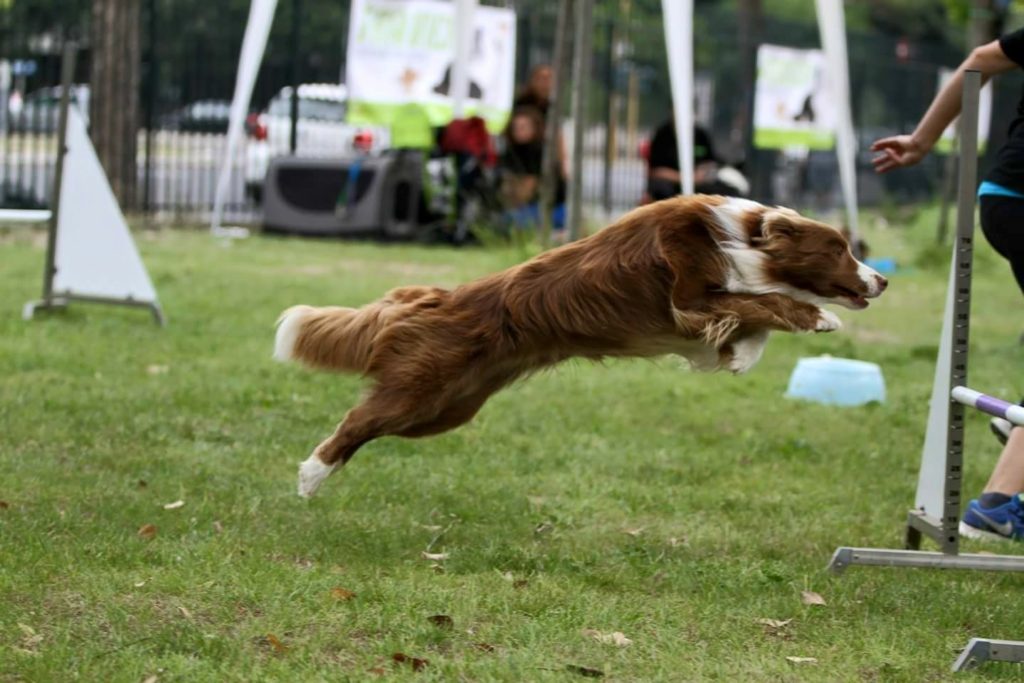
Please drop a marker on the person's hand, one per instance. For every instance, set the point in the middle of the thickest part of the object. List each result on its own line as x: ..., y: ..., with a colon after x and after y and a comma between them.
x: 898, y: 151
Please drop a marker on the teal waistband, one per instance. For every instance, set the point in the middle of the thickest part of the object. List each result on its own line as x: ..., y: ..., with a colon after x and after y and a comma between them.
x: 993, y: 189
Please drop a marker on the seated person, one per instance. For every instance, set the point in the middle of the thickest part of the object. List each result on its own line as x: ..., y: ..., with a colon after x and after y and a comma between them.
x: 663, y: 177
x: 521, y: 164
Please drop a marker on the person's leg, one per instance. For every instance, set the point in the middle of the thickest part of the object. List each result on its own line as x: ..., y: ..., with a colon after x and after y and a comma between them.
x: 998, y: 513
x: 1008, y: 476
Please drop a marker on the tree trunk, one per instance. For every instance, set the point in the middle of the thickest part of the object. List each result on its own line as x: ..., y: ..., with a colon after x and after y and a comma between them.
x: 114, y: 102
x: 748, y: 24
x: 985, y: 23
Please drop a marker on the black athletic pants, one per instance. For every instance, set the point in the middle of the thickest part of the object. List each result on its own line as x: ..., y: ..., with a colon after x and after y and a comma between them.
x: 1002, y: 221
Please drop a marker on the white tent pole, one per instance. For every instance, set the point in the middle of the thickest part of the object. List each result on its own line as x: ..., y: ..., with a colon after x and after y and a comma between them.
x: 678, y: 20
x: 832, y: 25
x: 261, y: 16
x: 464, y: 11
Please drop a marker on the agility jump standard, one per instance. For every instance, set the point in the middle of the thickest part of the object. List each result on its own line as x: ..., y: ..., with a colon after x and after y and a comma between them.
x: 937, y: 505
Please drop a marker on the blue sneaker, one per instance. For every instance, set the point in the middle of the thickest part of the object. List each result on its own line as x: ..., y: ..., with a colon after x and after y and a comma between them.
x: 1004, y: 522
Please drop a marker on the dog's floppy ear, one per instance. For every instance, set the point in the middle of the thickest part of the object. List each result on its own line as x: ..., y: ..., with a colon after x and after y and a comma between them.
x: 693, y: 258
x: 776, y: 223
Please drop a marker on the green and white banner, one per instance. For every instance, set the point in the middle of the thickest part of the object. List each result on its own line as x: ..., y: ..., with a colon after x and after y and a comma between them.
x: 399, y: 66
x: 793, y: 106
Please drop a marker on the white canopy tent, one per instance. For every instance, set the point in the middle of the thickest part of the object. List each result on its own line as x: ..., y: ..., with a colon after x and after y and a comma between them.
x: 678, y: 21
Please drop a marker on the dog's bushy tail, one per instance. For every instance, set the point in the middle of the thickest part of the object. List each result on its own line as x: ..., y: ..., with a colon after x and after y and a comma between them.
x: 331, y: 338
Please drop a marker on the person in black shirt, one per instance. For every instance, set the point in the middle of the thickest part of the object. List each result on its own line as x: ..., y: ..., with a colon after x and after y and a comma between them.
x: 999, y: 511
x: 663, y: 177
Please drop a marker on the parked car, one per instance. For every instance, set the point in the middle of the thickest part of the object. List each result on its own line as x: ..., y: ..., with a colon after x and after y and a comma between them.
x: 39, y: 112
x: 202, y: 116
x: 321, y: 130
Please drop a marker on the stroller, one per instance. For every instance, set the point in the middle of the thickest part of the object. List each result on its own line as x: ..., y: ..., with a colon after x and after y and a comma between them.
x: 460, y: 189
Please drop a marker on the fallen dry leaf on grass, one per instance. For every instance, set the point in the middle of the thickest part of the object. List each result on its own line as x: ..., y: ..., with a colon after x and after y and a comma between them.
x: 484, y: 647
x: 811, y: 598
x: 151, y: 679
x: 31, y: 637
x: 30, y: 640
x: 4, y: 505
x: 543, y: 528
x: 441, y: 621
x: 141, y: 483
x: 802, y: 660
x: 617, y: 638
x: 516, y: 583
x: 434, y: 557
x: 276, y: 645
x: 342, y: 594
x: 675, y: 542
x: 416, y: 663
x: 185, y: 613
x: 157, y: 369
x: 147, y: 531
x: 218, y: 527
x: 377, y: 671
x: 584, y: 671
x: 175, y: 505
x: 633, y: 532
x: 777, y: 628
x: 775, y: 623
x: 139, y: 584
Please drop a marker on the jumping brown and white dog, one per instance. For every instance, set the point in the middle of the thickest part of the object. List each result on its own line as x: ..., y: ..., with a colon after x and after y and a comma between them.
x: 704, y: 277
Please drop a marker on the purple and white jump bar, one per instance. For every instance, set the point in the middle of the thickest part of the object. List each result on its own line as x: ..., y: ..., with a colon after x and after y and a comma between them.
x: 990, y: 404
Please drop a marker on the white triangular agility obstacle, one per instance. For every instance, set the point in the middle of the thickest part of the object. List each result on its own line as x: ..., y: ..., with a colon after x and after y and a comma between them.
x: 94, y: 256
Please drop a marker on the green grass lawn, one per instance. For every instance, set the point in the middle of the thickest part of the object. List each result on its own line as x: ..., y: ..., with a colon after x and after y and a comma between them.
x: 677, y: 508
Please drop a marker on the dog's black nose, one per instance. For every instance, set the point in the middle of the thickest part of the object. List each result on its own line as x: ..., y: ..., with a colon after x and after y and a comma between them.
x: 882, y: 283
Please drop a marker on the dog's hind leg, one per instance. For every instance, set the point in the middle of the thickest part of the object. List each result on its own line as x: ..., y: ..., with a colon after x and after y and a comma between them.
x: 456, y: 414
x: 385, y: 411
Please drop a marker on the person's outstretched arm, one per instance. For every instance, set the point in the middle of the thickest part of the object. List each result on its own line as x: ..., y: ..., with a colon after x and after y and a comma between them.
x: 906, y: 150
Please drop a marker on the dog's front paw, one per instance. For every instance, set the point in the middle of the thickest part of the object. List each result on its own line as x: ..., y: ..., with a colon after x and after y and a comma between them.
x: 312, y: 473
x: 746, y: 352
x: 827, y: 321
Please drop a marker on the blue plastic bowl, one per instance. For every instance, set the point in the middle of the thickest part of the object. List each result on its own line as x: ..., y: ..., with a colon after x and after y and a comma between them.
x: 885, y: 266
x: 836, y: 381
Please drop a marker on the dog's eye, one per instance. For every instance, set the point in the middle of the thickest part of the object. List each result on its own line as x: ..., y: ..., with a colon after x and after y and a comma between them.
x: 838, y: 250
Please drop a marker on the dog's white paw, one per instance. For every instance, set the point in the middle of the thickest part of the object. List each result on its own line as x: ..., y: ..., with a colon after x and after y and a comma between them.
x: 312, y: 473
x: 746, y: 352
x: 827, y: 321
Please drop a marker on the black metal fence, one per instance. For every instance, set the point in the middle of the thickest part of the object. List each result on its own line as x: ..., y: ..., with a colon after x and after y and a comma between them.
x: 190, y: 51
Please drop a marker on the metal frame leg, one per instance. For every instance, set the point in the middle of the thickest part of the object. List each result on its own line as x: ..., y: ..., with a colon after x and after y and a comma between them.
x: 981, y: 650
